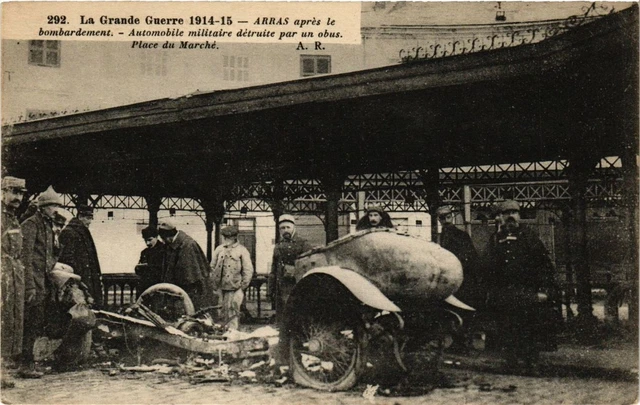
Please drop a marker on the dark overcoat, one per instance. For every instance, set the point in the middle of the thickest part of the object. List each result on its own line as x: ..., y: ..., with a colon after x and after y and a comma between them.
x: 38, y: 254
x: 79, y: 251
x: 458, y: 242
x: 281, y: 283
x: 186, y: 266
x: 520, y: 268
x: 12, y: 285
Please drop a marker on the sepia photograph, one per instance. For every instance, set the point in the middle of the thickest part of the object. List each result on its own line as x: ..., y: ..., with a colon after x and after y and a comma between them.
x: 250, y: 202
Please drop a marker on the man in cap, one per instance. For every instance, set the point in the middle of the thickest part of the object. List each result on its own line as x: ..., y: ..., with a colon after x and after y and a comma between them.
x: 375, y: 217
x: 232, y: 273
x: 282, y: 277
x: 149, y: 267
x: 13, y: 287
x: 523, y: 291
x: 185, y: 264
x: 38, y: 257
x: 78, y: 250
x: 459, y: 243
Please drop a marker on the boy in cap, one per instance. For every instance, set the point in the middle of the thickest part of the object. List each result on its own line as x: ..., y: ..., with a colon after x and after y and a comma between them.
x: 232, y: 273
x: 38, y: 257
x: 12, y: 317
x: 523, y: 285
x: 79, y: 251
x: 375, y: 217
x: 149, y: 267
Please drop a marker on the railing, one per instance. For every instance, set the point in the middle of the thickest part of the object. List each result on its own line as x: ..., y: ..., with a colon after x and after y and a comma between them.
x: 119, y: 289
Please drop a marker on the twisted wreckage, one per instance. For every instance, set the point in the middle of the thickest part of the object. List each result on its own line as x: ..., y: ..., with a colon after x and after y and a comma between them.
x: 361, y: 304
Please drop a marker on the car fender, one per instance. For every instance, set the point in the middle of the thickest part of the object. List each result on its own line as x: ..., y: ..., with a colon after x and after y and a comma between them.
x: 359, y: 286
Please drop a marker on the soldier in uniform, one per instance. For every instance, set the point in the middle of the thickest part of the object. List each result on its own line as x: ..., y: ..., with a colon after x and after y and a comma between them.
x: 523, y: 291
x: 281, y: 279
x: 13, y: 290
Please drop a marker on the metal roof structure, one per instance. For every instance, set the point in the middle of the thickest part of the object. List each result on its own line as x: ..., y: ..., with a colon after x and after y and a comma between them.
x: 571, y: 96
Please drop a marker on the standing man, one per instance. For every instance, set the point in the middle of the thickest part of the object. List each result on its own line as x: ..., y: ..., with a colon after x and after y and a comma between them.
x: 13, y: 290
x: 375, y: 217
x: 523, y: 290
x: 185, y: 264
x: 471, y: 291
x: 149, y: 267
x: 38, y: 257
x: 282, y: 277
x: 459, y: 243
x: 232, y: 273
x: 79, y: 252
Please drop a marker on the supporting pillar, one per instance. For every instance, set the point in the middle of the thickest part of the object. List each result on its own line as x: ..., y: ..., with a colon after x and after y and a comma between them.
x: 153, y: 206
x: 333, y: 190
x: 431, y: 180
x: 631, y: 204
x: 214, y: 213
x: 467, y: 209
x: 578, y: 172
x: 277, y: 205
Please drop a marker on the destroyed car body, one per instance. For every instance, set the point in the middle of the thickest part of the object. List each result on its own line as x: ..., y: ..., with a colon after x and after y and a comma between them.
x: 363, y: 302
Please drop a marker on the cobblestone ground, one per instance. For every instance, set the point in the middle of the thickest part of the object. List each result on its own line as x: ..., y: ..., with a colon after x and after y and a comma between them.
x: 463, y: 387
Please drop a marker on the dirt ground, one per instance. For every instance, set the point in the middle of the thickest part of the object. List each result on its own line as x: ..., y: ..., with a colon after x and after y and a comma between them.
x: 94, y: 386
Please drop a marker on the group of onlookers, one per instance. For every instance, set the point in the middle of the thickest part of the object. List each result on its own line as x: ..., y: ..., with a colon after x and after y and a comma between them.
x: 45, y: 242
x: 515, y: 278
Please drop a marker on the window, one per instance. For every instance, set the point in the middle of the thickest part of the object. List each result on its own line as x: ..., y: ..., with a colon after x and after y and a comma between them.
x: 153, y: 63
x: 235, y: 68
x: 311, y: 65
x: 44, y: 53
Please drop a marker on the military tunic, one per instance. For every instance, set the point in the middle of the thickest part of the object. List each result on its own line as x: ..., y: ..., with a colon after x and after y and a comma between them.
x: 281, y: 279
x: 520, y: 270
x: 13, y: 293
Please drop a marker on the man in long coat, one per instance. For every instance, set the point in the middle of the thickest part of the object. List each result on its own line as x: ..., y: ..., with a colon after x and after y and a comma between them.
x: 79, y: 251
x: 38, y: 256
x: 285, y: 253
x: 185, y: 264
x: 523, y: 291
x: 149, y: 267
x: 13, y: 296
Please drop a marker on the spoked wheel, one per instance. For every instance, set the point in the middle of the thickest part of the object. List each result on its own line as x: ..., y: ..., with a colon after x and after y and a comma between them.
x: 325, y: 335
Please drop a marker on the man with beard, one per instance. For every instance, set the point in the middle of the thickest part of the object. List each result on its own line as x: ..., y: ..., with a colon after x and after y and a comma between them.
x: 13, y: 294
x: 79, y: 251
x: 38, y: 257
x: 282, y: 277
x: 149, y: 268
x: 185, y: 264
x: 523, y: 291
x: 375, y: 217
x: 471, y: 291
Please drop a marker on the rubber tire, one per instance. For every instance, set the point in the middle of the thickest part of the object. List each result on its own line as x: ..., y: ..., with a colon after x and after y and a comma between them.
x: 315, y: 288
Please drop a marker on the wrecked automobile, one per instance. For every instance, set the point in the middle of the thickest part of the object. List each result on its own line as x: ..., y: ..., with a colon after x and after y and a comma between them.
x: 364, y: 302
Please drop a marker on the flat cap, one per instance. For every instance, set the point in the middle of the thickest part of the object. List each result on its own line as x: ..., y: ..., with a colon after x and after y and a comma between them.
x: 166, y: 225
x: 49, y: 197
x: 375, y: 208
x: 59, y: 219
x: 149, y: 232
x: 84, y: 209
x: 444, y: 210
x: 509, y: 205
x: 9, y: 182
x: 286, y: 218
x: 229, y: 231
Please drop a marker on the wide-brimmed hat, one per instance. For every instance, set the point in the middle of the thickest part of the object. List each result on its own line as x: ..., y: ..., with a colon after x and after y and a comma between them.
x: 49, y: 197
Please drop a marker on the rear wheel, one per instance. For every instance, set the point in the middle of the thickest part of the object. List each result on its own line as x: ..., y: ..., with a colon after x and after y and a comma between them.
x: 326, y: 335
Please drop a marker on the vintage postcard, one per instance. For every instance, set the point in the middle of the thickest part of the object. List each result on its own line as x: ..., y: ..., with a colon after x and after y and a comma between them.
x: 348, y: 202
